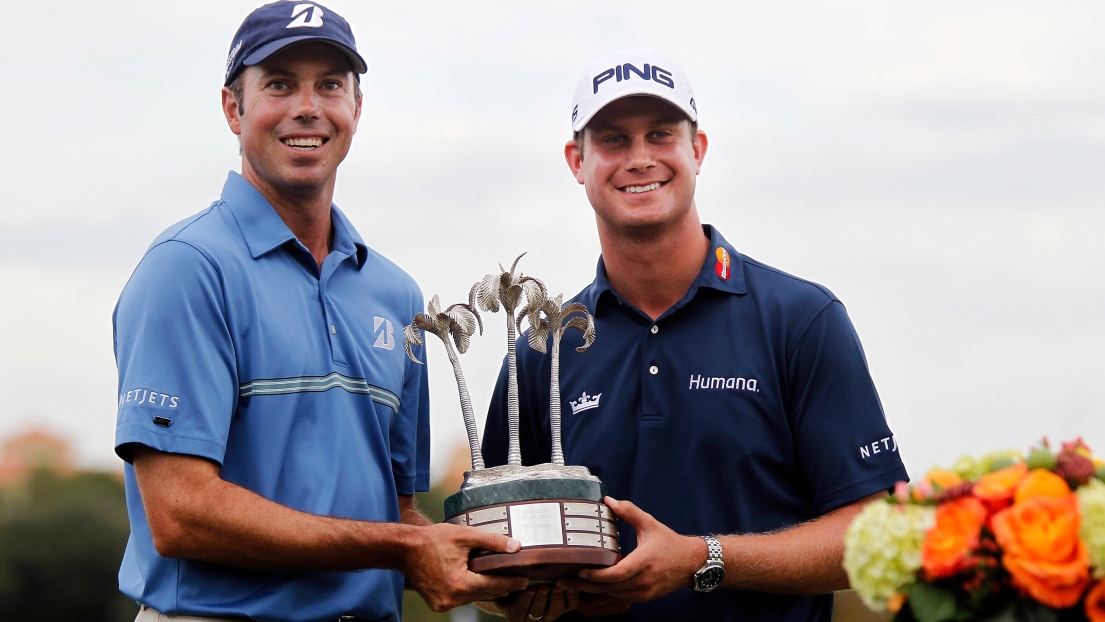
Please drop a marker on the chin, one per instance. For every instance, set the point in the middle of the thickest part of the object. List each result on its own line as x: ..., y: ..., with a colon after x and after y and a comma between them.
x: 301, y: 185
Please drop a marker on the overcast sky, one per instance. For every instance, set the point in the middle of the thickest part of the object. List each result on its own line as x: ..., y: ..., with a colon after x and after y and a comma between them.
x: 939, y: 165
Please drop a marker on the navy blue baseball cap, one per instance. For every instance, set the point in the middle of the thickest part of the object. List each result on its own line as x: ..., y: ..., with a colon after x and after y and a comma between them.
x: 275, y: 26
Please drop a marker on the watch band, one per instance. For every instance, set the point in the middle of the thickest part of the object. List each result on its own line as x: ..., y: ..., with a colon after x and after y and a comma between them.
x: 713, y: 545
x: 712, y: 573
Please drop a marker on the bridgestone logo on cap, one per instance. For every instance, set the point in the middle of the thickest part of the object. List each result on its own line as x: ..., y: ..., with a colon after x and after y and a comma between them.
x: 306, y: 15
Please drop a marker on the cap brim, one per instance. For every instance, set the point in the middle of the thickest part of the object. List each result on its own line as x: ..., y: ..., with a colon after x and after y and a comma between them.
x: 581, y: 122
x: 260, y: 54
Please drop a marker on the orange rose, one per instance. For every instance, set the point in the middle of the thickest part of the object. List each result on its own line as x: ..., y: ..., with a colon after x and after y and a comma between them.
x: 934, y: 482
x: 1041, y: 483
x: 1095, y: 602
x: 1041, y: 549
x: 995, y: 489
x: 947, y: 547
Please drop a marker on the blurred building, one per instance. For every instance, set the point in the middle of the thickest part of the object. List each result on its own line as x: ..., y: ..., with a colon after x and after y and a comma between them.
x: 31, y: 451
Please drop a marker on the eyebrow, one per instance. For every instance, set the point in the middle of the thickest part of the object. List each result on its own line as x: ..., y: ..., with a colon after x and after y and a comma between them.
x: 278, y: 72
x: 664, y: 119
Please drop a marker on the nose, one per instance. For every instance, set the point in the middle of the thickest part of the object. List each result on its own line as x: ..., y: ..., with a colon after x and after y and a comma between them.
x: 640, y: 155
x: 306, y: 105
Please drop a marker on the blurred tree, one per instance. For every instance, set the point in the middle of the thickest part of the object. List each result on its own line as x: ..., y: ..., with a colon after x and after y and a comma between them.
x: 61, y: 541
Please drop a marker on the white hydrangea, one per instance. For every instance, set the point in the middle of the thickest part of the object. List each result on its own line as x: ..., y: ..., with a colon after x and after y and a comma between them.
x: 972, y: 468
x: 1091, y: 503
x: 882, y: 549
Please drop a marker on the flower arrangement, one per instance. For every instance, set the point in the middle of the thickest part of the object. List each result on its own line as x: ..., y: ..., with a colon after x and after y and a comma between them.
x: 1000, y: 538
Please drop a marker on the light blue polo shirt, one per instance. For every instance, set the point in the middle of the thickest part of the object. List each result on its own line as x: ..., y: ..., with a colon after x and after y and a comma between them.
x: 234, y: 346
x: 746, y: 407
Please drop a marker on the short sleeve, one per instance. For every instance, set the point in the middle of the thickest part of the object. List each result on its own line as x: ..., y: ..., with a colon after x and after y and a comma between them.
x: 410, y: 432
x: 845, y: 448
x: 178, y: 384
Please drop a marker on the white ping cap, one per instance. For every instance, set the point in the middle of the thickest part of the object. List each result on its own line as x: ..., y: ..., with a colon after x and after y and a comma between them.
x: 639, y: 71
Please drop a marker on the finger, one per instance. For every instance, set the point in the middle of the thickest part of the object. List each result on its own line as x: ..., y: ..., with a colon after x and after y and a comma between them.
x: 491, y: 587
x: 629, y: 512
x: 505, y: 602
x: 497, y: 543
x: 581, y: 585
x: 600, y: 605
x: 617, y: 573
x: 626, y: 568
x: 571, y: 600
x: 559, y: 602
x: 540, y: 603
x: 518, y: 609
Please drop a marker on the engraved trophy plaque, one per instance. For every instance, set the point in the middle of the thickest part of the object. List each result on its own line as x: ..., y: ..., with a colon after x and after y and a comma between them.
x: 554, y: 510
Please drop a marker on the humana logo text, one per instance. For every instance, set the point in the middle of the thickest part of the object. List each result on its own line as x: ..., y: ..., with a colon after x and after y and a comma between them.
x: 717, y: 382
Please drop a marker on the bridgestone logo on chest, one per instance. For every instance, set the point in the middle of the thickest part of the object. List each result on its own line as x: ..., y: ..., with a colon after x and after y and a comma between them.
x: 719, y: 382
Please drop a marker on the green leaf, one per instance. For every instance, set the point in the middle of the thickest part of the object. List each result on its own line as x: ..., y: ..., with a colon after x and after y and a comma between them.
x: 1005, y: 614
x: 931, y: 603
x: 1022, y: 610
x: 1031, y: 611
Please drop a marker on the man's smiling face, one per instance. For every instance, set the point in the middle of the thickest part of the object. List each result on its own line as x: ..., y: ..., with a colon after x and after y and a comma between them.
x: 296, y: 120
x: 638, y: 161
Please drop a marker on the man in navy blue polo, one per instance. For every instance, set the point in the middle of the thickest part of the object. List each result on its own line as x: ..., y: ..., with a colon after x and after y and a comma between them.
x: 274, y: 430
x: 726, y: 405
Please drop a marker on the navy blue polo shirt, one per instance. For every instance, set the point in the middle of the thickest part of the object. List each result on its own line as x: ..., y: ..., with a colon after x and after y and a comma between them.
x: 234, y: 346
x: 746, y: 407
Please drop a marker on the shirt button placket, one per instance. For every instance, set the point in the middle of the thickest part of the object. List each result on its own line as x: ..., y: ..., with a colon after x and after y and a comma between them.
x: 652, y: 387
x: 652, y: 368
x: 327, y: 317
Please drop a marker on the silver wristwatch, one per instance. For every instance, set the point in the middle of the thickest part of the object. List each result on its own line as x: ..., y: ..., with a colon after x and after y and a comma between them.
x: 712, y: 573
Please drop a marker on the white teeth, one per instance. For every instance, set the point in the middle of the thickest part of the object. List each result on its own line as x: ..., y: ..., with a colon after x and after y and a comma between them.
x: 303, y: 142
x: 636, y: 189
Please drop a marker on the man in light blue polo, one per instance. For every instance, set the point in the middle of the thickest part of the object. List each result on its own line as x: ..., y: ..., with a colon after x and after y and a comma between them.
x: 273, y: 429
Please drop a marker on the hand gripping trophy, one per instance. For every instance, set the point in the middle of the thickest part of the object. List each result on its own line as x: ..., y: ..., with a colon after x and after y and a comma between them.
x: 555, y: 511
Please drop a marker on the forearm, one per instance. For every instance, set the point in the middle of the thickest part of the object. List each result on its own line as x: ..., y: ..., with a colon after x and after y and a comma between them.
x: 409, y: 514
x: 805, y: 559
x: 206, y: 518
x: 801, y: 560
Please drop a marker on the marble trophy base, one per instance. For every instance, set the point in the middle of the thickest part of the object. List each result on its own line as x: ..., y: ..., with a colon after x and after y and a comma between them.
x: 556, y: 512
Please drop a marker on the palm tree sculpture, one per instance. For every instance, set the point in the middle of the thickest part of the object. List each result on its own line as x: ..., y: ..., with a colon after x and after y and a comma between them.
x: 558, y: 318
x: 458, y: 322
x: 507, y: 289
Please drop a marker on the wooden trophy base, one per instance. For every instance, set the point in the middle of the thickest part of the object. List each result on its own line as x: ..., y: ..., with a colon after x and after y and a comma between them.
x: 563, y: 526
x: 544, y: 565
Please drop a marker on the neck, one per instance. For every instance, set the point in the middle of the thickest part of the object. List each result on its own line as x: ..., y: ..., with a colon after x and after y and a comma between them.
x: 654, y: 270
x: 307, y: 214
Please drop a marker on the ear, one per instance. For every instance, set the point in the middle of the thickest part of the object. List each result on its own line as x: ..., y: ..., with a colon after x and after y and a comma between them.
x: 574, y: 157
x: 700, y: 143
x: 357, y: 112
x: 231, y: 111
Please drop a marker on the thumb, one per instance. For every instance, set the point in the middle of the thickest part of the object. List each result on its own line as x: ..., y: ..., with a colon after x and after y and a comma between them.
x: 627, y: 511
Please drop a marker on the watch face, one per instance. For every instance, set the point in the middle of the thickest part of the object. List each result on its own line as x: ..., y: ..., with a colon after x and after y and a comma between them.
x: 710, y: 578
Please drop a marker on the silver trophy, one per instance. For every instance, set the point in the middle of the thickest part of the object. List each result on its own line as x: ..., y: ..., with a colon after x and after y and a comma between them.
x: 554, y: 510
